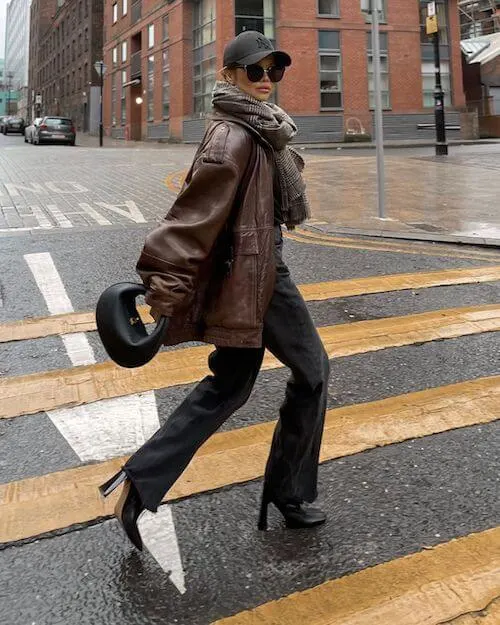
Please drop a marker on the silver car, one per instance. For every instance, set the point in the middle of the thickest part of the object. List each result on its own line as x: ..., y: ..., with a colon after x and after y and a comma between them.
x: 29, y: 131
x: 54, y: 129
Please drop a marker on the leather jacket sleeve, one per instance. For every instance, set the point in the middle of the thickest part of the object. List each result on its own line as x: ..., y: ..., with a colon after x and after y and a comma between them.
x: 174, y: 252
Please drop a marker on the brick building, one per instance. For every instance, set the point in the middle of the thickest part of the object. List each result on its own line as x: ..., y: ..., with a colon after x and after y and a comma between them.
x: 65, y: 42
x: 162, y: 60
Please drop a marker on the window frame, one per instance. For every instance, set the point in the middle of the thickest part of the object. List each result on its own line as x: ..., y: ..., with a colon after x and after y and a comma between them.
x: 446, y: 77
x: 382, y: 18
x: 123, y: 99
x: 113, y: 99
x: 267, y: 18
x: 151, y: 36
x: 384, y: 53
x: 150, y: 89
x: 166, y: 21
x: 115, y: 12
x: 165, y: 82
x: 204, y: 54
x: 335, y: 15
x: 323, y: 52
x: 124, y: 52
x: 124, y: 7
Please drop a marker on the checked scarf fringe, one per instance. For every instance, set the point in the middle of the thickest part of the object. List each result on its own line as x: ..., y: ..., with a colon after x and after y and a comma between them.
x: 278, y: 129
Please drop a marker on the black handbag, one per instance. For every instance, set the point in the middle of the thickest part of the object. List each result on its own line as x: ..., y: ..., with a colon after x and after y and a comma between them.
x: 122, y: 330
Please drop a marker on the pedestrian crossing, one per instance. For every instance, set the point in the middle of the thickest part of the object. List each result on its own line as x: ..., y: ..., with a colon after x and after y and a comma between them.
x: 448, y: 583
x: 238, y: 456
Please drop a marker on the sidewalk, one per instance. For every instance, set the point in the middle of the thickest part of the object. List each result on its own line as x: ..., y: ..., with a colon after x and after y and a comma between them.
x: 400, y: 143
x: 86, y: 140
x: 452, y: 199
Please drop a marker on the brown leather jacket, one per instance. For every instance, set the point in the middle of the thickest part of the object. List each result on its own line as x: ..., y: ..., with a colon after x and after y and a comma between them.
x: 210, y: 264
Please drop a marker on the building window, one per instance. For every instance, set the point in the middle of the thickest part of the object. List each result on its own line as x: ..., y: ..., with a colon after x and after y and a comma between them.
x: 124, y: 51
x: 165, y: 27
x: 255, y: 15
x: 429, y: 83
x: 151, y: 36
x: 166, y: 84
x: 113, y: 99
x: 204, y: 54
x: 124, y: 7
x: 123, y: 101
x: 384, y: 71
x: 330, y: 69
x: 328, y: 8
x: 115, y: 56
x: 382, y: 14
x: 115, y: 13
x: 151, y: 84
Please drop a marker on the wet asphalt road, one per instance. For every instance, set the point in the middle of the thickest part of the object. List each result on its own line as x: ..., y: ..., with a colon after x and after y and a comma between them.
x: 381, y: 504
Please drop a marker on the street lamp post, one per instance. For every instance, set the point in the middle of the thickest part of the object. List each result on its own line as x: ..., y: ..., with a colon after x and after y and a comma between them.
x: 432, y: 28
x: 100, y: 68
x: 374, y: 7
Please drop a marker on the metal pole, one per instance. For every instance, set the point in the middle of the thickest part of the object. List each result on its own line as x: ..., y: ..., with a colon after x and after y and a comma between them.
x: 441, y: 144
x: 100, y: 115
x: 379, y: 125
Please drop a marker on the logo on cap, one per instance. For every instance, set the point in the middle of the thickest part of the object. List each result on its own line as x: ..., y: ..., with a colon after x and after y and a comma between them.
x: 263, y: 43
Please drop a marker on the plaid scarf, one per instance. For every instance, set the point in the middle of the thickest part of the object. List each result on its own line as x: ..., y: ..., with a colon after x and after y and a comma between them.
x: 278, y: 129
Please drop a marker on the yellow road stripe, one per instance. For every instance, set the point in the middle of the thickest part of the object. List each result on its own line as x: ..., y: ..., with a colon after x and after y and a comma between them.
x: 81, y: 385
x: 446, y: 584
x: 306, y: 236
x: 37, y: 505
x: 85, y: 322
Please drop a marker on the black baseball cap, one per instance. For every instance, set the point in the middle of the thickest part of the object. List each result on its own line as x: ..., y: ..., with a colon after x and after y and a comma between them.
x: 251, y: 47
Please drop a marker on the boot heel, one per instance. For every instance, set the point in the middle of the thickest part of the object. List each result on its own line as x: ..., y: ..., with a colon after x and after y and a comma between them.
x: 262, y: 523
x: 108, y: 487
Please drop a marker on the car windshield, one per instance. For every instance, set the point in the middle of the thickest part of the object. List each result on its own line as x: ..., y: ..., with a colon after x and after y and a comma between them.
x: 58, y: 121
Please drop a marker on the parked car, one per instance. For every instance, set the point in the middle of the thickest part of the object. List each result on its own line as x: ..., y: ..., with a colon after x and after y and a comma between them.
x: 3, y: 119
x: 55, y: 130
x: 29, y: 131
x: 14, y: 124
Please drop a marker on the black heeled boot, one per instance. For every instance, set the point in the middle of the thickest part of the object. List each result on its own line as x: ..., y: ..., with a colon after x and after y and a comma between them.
x: 128, y: 508
x: 296, y: 515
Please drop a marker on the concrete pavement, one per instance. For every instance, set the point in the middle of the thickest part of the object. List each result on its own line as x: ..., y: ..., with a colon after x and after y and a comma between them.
x: 447, y: 199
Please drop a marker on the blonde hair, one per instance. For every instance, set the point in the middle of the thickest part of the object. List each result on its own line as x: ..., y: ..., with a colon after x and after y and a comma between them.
x: 227, y: 74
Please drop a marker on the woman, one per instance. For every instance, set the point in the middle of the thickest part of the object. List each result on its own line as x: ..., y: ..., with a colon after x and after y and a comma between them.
x: 214, y: 267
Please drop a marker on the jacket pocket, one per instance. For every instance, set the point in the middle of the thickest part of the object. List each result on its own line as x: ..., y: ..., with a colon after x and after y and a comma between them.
x: 234, y: 303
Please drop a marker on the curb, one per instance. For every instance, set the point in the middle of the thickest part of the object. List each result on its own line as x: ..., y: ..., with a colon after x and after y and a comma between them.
x: 412, y: 236
x: 390, y: 144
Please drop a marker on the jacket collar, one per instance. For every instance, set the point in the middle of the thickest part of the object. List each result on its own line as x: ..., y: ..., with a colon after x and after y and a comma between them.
x: 221, y: 116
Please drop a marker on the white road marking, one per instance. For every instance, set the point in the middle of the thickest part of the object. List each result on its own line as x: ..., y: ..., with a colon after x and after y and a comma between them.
x: 12, y: 188
x: 91, y: 212
x: 108, y: 428
x: 61, y: 219
x: 132, y: 212
x: 74, y: 187
x: 158, y: 534
x: 40, y: 216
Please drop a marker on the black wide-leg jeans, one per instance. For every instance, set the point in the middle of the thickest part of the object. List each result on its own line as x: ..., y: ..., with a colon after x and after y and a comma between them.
x: 292, y: 467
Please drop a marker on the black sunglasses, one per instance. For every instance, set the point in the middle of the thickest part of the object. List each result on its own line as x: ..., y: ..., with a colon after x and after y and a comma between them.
x: 255, y: 73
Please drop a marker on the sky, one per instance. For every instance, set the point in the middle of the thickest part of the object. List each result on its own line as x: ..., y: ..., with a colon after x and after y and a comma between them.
x: 3, y: 4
